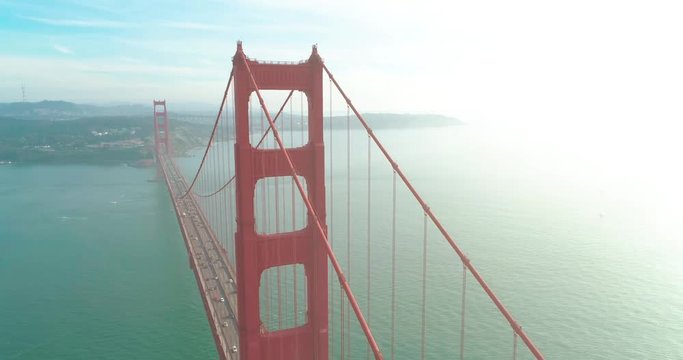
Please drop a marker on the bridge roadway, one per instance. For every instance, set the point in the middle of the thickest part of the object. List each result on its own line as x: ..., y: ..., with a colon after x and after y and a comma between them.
x: 214, y: 273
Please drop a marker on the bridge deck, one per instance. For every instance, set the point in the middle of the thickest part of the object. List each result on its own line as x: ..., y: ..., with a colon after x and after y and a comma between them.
x: 214, y: 274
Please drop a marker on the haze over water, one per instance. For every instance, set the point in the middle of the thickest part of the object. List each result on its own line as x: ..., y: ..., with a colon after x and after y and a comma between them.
x: 575, y: 229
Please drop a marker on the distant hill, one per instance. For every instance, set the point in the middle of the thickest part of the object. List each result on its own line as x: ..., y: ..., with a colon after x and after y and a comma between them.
x: 64, y: 110
x: 101, y: 139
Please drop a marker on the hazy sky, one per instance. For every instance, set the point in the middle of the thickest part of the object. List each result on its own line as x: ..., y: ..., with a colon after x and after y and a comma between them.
x: 609, y: 62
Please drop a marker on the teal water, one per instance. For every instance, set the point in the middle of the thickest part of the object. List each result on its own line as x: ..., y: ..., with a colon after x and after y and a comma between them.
x: 92, y: 266
x: 578, y: 233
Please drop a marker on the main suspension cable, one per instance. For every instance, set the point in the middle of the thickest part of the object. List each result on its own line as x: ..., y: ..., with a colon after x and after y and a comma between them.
x: 213, y: 133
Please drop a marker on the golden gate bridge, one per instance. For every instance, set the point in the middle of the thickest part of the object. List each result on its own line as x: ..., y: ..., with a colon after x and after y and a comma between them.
x: 294, y: 257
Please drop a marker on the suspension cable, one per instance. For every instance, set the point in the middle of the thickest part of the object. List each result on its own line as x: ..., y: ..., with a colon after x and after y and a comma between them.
x: 503, y: 310
x: 213, y: 133
x: 348, y: 218
x: 263, y: 137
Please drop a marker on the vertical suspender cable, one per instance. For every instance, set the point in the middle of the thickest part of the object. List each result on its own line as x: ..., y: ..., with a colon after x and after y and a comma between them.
x: 218, y: 231
x: 214, y: 200
x: 204, y: 178
x: 219, y: 204
x: 264, y: 229
x: 285, y: 274
x: 514, y: 345
x: 348, y: 217
x: 369, y: 268
x: 231, y: 213
x: 393, y: 267
x: 226, y: 175
x: 301, y: 103
x: 424, y: 287
x: 342, y: 345
x: 462, y: 312
x: 230, y: 198
x: 206, y: 207
x: 229, y: 192
x: 200, y: 185
x: 342, y: 324
x: 220, y: 219
x: 277, y: 231
x: 296, y: 255
x: 211, y: 175
x: 342, y: 307
x: 208, y: 185
x: 304, y: 218
x: 231, y: 233
x: 291, y: 140
x: 226, y: 154
x: 331, y: 224
x: 279, y: 268
x: 217, y: 181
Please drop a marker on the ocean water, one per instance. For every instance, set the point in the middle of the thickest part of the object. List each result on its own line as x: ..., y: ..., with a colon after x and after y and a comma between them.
x: 92, y: 266
x: 576, y: 229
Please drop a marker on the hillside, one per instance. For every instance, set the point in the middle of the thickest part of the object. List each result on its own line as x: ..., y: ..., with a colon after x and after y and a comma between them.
x: 64, y: 110
x: 90, y: 140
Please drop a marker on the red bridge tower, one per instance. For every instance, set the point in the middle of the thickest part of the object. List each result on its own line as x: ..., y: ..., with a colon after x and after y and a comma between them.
x: 255, y: 252
x: 161, y: 135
